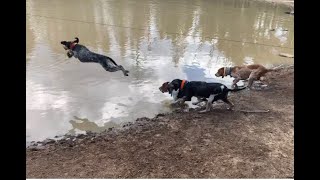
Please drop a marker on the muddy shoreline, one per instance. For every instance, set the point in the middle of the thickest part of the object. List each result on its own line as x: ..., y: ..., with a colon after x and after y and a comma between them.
x: 218, y: 144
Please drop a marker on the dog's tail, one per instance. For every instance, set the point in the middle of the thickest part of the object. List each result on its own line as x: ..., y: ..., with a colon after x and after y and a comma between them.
x: 238, y: 89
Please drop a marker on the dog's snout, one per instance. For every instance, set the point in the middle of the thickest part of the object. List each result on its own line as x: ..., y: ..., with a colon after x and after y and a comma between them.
x: 218, y: 75
x: 160, y: 89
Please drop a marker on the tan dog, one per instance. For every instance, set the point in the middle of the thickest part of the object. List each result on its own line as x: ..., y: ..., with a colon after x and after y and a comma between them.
x: 251, y: 72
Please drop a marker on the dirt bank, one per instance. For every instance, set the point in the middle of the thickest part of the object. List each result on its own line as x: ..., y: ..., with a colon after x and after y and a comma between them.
x: 219, y: 144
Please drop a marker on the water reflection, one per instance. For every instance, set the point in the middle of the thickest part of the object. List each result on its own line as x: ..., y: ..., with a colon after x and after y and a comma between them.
x: 84, y: 125
x: 156, y: 41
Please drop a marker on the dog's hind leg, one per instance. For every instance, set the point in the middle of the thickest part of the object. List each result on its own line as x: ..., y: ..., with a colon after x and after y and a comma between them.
x: 125, y: 72
x: 209, y: 104
x: 231, y: 105
x: 199, y: 100
x: 118, y: 68
x: 113, y: 68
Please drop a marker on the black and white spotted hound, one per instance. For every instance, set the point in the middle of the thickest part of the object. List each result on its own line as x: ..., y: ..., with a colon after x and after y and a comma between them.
x: 183, y: 90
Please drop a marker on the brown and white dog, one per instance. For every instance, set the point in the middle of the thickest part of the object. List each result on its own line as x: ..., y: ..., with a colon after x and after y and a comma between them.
x: 251, y: 72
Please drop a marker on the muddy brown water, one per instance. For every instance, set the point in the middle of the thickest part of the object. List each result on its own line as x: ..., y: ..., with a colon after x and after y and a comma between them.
x: 156, y: 41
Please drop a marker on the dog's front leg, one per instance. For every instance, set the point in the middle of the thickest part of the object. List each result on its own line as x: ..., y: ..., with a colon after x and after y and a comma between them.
x: 237, y: 78
x: 234, y: 83
x: 253, y: 77
x: 180, y: 101
x: 70, y: 54
x: 250, y: 82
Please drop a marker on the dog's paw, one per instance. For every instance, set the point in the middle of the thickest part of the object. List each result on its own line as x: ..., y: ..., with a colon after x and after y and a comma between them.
x: 186, y: 110
x: 203, y: 111
x: 195, y: 103
x: 234, y: 86
x: 69, y: 54
x: 126, y: 73
x: 173, y: 104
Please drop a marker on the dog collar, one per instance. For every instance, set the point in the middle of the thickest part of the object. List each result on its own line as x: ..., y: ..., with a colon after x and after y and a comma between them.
x: 73, y: 45
x: 227, y: 71
x: 182, y: 84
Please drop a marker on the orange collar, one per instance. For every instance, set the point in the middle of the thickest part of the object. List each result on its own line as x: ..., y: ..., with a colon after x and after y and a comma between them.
x: 182, y: 84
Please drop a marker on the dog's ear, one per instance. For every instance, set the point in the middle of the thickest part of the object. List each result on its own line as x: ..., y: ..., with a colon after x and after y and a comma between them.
x: 222, y: 72
x: 166, y: 85
x: 170, y: 87
x: 174, y: 84
x: 76, y: 40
